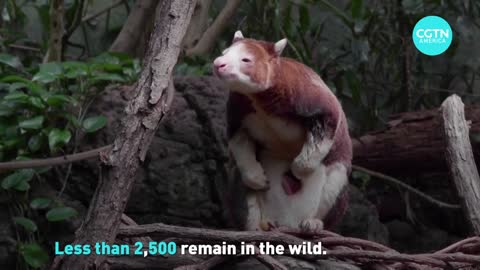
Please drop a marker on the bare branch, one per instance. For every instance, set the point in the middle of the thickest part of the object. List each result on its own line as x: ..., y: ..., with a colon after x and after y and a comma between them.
x: 129, y: 37
x: 459, y: 156
x: 415, y: 191
x: 210, y: 37
x: 338, y: 247
x: 205, y: 265
x: 55, y: 161
x: 267, y: 260
x: 100, y: 12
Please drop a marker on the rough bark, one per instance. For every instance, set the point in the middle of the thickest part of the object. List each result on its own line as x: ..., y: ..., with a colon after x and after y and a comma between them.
x: 54, y: 52
x: 411, y: 143
x: 134, y: 26
x: 459, y: 156
x: 153, y: 94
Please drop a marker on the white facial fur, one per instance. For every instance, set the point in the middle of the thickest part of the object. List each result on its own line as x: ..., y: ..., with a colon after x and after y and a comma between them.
x: 228, y: 67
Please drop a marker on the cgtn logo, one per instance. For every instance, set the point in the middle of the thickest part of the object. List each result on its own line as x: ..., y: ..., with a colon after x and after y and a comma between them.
x: 432, y: 35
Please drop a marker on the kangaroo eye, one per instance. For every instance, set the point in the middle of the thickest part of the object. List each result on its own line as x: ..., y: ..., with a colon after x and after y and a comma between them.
x: 246, y: 60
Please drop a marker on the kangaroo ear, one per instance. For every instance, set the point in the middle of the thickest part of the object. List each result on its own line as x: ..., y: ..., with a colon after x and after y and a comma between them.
x: 238, y: 36
x: 279, y: 46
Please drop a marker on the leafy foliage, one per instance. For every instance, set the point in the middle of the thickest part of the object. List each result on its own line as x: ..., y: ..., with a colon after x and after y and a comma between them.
x: 34, y: 255
x: 60, y: 213
x: 43, y: 111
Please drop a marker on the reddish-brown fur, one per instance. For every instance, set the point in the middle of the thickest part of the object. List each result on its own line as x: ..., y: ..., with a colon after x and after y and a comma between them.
x: 293, y: 96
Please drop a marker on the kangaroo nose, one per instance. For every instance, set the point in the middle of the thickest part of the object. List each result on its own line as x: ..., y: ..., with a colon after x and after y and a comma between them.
x: 219, y: 64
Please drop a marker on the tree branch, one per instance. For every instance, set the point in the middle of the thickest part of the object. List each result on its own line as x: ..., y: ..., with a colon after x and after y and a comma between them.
x: 132, y: 30
x: 267, y: 260
x: 154, y: 92
x: 360, y: 251
x: 54, y: 161
x: 210, y: 37
x: 459, y: 156
x: 198, y: 25
x: 100, y: 12
x: 415, y: 191
x: 207, y: 264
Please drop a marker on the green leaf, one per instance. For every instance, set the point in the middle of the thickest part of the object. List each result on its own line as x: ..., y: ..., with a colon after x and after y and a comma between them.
x: 16, y: 85
x: 11, y: 143
x: 57, y: 100
x: 122, y: 57
x: 61, y: 213
x: 32, y: 123
x: 11, y: 180
x: 40, y: 203
x: 73, y: 120
x: 112, y: 77
x: 16, y: 96
x: 52, y: 68
x: 48, y: 72
x: 356, y: 7
x: 6, y: 110
x: 14, y: 78
x: 34, y: 255
x: 34, y: 88
x: 36, y: 102
x: 58, y: 137
x: 108, y: 67
x: 95, y: 123
x: 16, y: 178
x: 10, y: 60
x: 22, y: 186
x: 26, y: 223
x: 75, y: 69
x: 35, y: 142
x: 106, y: 58
x: 44, y: 77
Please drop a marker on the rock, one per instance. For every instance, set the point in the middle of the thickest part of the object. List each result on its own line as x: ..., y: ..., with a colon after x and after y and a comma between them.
x: 186, y: 161
x: 361, y: 219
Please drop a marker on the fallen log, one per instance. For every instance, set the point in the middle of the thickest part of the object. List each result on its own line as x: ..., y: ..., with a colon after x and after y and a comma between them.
x: 411, y: 143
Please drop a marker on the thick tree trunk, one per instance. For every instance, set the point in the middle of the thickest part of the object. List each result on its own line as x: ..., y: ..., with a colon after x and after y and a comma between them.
x: 412, y: 143
x: 54, y: 52
x: 153, y: 94
x: 460, y: 159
